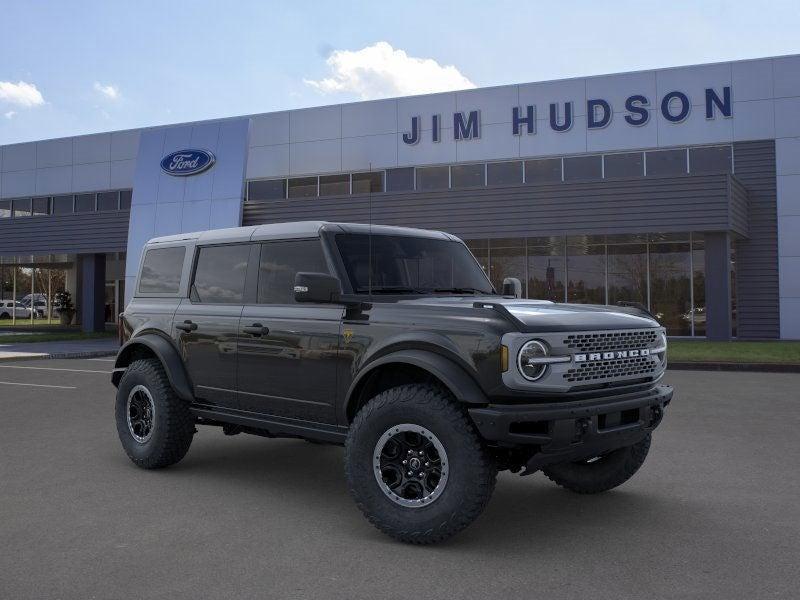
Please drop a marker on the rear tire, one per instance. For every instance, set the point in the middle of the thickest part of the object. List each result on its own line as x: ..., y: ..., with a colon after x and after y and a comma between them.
x: 600, y: 474
x: 154, y: 425
x: 426, y: 422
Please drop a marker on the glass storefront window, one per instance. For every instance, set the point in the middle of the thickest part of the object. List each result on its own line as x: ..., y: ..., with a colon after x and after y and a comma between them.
x: 22, y: 207
x: 507, y: 259
x: 85, y: 203
x: 546, y: 265
x: 400, y: 180
x: 711, y: 159
x: 582, y: 168
x: 480, y: 250
x: 504, y: 173
x: 303, y: 187
x: 468, y: 175
x: 628, y: 164
x: 670, y: 294
x: 586, y: 272
x: 5, y: 209
x: 334, y: 185
x: 547, y: 170
x: 627, y: 273
x: 433, y: 178
x: 107, y: 201
x: 125, y: 197
x: 370, y: 182
x: 665, y: 162
x: 41, y: 206
x: 268, y: 189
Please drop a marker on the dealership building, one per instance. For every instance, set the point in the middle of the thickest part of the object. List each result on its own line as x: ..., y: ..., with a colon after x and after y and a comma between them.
x: 676, y: 188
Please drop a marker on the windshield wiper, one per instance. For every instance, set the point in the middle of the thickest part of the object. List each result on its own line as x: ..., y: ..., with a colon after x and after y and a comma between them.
x: 461, y: 290
x: 390, y: 289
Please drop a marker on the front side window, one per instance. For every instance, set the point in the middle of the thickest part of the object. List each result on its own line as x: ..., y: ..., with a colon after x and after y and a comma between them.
x: 220, y: 274
x: 161, y: 270
x: 406, y: 264
x: 280, y: 262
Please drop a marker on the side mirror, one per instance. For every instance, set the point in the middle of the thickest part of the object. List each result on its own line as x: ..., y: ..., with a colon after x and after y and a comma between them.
x: 317, y: 287
x: 512, y: 287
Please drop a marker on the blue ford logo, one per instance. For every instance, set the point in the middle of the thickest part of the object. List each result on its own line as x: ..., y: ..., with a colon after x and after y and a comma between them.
x: 187, y: 162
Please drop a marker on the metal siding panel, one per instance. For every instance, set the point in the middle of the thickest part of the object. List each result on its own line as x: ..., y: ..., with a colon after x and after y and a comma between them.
x: 70, y: 234
x: 757, y: 299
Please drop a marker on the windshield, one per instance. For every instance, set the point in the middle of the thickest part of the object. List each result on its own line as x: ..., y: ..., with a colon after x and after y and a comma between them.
x: 410, y: 265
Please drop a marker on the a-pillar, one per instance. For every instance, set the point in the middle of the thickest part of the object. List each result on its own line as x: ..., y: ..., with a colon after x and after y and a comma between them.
x: 93, y: 290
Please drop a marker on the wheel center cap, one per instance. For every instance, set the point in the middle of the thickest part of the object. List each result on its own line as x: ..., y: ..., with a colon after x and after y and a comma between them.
x: 414, y: 463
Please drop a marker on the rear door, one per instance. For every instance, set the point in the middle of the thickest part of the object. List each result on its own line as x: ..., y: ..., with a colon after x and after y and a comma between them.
x: 207, y: 323
x: 288, y: 351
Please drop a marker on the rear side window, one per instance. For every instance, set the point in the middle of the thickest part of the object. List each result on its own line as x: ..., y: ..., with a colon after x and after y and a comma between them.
x: 161, y: 270
x: 220, y: 274
x: 280, y: 262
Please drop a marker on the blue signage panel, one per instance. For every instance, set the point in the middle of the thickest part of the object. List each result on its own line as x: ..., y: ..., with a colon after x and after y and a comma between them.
x: 187, y: 162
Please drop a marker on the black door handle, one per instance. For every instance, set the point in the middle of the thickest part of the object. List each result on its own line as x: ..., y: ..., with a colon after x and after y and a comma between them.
x: 187, y: 325
x: 256, y: 329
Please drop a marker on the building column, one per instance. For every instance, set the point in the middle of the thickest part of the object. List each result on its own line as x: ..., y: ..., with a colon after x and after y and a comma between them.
x: 93, y: 291
x: 718, y: 286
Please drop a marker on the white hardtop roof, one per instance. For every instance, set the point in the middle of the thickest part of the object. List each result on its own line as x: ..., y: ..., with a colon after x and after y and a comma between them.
x: 296, y: 229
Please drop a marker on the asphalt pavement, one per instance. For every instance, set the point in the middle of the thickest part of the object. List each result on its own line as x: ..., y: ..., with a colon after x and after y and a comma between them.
x: 714, y: 512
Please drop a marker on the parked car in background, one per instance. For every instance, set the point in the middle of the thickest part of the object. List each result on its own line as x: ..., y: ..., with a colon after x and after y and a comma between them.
x: 13, y: 308
x: 39, y: 304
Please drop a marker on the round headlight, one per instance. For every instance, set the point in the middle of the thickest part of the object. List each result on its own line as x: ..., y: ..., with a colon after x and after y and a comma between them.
x: 529, y: 368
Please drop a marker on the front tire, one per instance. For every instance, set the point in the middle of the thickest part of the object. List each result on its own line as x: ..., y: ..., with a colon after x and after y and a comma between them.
x: 153, y: 424
x: 447, y: 477
x: 600, y: 474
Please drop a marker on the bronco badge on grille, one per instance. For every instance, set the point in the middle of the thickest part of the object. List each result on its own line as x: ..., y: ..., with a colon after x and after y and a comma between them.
x: 593, y: 356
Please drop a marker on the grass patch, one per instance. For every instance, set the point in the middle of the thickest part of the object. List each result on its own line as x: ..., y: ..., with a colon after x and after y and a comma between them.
x: 26, y: 338
x: 734, y: 352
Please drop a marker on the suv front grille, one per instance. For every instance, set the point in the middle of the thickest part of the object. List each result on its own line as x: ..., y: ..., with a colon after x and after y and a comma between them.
x: 633, y: 339
x: 617, y: 368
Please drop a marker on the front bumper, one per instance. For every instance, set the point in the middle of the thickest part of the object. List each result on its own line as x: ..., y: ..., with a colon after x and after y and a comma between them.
x: 567, y: 431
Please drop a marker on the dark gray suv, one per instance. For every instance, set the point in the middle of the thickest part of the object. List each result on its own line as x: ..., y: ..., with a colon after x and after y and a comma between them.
x: 393, y: 343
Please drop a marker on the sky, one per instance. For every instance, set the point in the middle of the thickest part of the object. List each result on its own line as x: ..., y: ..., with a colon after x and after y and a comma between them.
x: 71, y: 68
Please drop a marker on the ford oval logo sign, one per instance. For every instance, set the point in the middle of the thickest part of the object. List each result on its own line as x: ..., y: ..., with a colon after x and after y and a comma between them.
x: 187, y: 162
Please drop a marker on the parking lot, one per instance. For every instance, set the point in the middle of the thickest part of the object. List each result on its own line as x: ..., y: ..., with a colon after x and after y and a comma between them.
x: 714, y: 513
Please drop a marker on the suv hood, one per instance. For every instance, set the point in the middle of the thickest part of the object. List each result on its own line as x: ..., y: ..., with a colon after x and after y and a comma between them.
x: 539, y: 316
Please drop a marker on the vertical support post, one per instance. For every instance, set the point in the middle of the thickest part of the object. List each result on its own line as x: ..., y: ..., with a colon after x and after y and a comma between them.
x: 14, y: 295
x: 33, y: 295
x: 93, y: 279
x: 718, y: 286
x: 49, y: 296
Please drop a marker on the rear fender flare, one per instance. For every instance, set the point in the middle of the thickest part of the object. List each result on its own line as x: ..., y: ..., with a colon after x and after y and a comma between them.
x: 166, y: 353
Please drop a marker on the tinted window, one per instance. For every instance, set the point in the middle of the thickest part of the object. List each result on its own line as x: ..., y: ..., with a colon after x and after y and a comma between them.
x: 272, y: 189
x: 543, y: 171
x: 280, y: 262
x: 400, y: 180
x: 504, y: 173
x: 41, y: 206
x: 578, y: 168
x: 62, y: 205
x: 630, y: 164
x: 666, y: 162
x: 303, y: 187
x: 220, y: 274
x: 433, y: 178
x: 125, y: 199
x: 22, y: 207
x: 468, y: 175
x: 161, y: 271
x: 710, y: 160
x: 108, y: 201
x: 84, y: 203
x: 334, y: 185
x: 364, y: 183
x: 404, y: 264
x: 5, y: 209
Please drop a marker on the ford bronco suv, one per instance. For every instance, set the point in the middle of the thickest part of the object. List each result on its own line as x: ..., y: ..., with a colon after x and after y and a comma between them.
x: 391, y: 342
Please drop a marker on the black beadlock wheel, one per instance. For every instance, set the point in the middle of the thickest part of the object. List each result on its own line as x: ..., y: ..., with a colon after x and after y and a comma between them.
x: 415, y: 465
x: 600, y: 473
x: 153, y: 424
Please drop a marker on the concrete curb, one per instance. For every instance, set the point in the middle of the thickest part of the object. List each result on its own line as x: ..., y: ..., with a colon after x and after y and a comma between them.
x: 726, y: 366
x: 58, y: 355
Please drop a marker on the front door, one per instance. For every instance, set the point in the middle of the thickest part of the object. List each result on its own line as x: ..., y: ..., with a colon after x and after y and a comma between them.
x: 207, y: 324
x: 287, y: 351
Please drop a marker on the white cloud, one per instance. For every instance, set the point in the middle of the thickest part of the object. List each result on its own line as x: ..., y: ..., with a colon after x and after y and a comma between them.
x: 380, y: 71
x: 20, y: 93
x: 109, y: 91
x: 10, y: 114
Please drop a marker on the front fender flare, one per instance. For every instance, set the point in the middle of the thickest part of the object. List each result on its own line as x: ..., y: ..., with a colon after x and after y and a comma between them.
x: 453, y: 376
x: 166, y: 353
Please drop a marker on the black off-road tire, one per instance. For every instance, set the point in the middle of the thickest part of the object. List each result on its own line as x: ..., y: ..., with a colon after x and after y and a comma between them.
x: 603, y: 474
x: 472, y: 472
x: 173, y: 424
